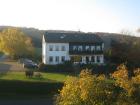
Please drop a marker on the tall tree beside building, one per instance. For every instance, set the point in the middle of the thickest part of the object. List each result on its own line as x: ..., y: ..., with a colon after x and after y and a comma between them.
x: 15, y: 43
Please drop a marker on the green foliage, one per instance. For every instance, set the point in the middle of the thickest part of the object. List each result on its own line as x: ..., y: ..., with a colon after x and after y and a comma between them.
x: 126, y: 50
x: 14, y: 43
x: 65, y: 67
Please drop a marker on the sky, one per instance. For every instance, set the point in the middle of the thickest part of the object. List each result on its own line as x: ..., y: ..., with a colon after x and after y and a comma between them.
x: 84, y: 15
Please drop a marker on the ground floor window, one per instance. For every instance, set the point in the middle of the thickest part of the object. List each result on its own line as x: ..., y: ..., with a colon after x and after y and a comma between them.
x: 57, y: 59
x: 98, y: 59
x: 63, y: 58
x: 87, y: 59
x: 92, y: 59
x: 51, y: 59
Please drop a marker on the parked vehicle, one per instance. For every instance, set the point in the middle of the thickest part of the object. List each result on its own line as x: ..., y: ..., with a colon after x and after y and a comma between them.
x: 27, y: 63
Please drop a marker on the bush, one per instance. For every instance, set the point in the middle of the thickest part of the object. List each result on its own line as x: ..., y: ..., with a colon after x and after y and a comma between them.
x: 87, y: 89
x: 66, y: 67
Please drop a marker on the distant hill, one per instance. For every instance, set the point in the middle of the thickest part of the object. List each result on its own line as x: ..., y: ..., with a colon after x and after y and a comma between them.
x: 36, y: 35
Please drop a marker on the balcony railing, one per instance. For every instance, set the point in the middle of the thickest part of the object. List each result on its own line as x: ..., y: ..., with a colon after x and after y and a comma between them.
x: 72, y: 52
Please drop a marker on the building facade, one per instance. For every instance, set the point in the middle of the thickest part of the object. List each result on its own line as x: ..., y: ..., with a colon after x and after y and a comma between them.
x: 78, y: 47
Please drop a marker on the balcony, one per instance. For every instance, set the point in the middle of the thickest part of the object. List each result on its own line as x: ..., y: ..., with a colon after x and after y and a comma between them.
x: 76, y: 52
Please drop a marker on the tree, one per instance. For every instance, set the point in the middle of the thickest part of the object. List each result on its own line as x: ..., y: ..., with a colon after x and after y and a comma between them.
x: 87, y: 89
x: 130, y: 94
x: 15, y: 43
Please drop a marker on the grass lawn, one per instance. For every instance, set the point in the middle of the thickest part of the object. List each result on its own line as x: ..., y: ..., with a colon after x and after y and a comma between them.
x: 46, y: 77
x: 15, y: 85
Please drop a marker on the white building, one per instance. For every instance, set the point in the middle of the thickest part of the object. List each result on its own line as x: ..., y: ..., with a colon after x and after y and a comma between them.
x: 58, y: 47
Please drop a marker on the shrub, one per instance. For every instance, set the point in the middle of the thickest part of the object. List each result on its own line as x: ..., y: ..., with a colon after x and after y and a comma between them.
x: 87, y: 89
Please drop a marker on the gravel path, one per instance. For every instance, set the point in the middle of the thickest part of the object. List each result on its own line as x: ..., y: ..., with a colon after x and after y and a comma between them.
x: 6, y: 65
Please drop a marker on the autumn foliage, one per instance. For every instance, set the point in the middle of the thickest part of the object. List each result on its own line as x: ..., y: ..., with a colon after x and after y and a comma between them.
x: 89, y: 89
x: 15, y: 43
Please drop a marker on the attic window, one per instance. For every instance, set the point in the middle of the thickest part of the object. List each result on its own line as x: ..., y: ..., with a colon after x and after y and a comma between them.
x: 62, y: 36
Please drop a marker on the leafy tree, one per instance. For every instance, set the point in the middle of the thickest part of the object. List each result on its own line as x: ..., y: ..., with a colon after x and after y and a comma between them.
x: 131, y: 87
x: 15, y: 43
x: 87, y: 89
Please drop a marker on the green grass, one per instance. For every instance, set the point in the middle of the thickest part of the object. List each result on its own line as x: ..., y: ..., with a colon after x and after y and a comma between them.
x: 15, y: 85
x: 46, y: 77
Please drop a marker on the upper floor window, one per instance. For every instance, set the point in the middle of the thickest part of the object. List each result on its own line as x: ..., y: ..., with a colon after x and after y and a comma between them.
x: 63, y: 48
x: 98, y: 48
x: 92, y: 48
x: 51, y: 48
x: 87, y: 48
x: 74, y: 47
x: 79, y: 48
x: 56, y: 48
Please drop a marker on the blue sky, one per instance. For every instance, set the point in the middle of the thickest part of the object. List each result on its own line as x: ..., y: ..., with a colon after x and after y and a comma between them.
x: 85, y: 15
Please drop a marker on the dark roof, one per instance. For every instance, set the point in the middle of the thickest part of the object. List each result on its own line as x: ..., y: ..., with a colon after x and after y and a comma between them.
x: 64, y: 37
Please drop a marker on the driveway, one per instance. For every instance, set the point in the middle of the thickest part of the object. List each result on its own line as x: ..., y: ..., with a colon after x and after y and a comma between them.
x: 7, y: 65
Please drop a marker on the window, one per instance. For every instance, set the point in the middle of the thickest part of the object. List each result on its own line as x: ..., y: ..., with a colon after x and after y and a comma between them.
x: 98, y: 48
x: 51, y: 59
x: 63, y: 58
x: 92, y: 48
x: 98, y: 59
x: 63, y: 48
x: 74, y: 47
x: 57, y: 59
x: 51, y: 47
x: 87, y: 59
x: 56, y: 48
x: 79, y: 48
x: 87, y: 48
x: 92, y: 59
